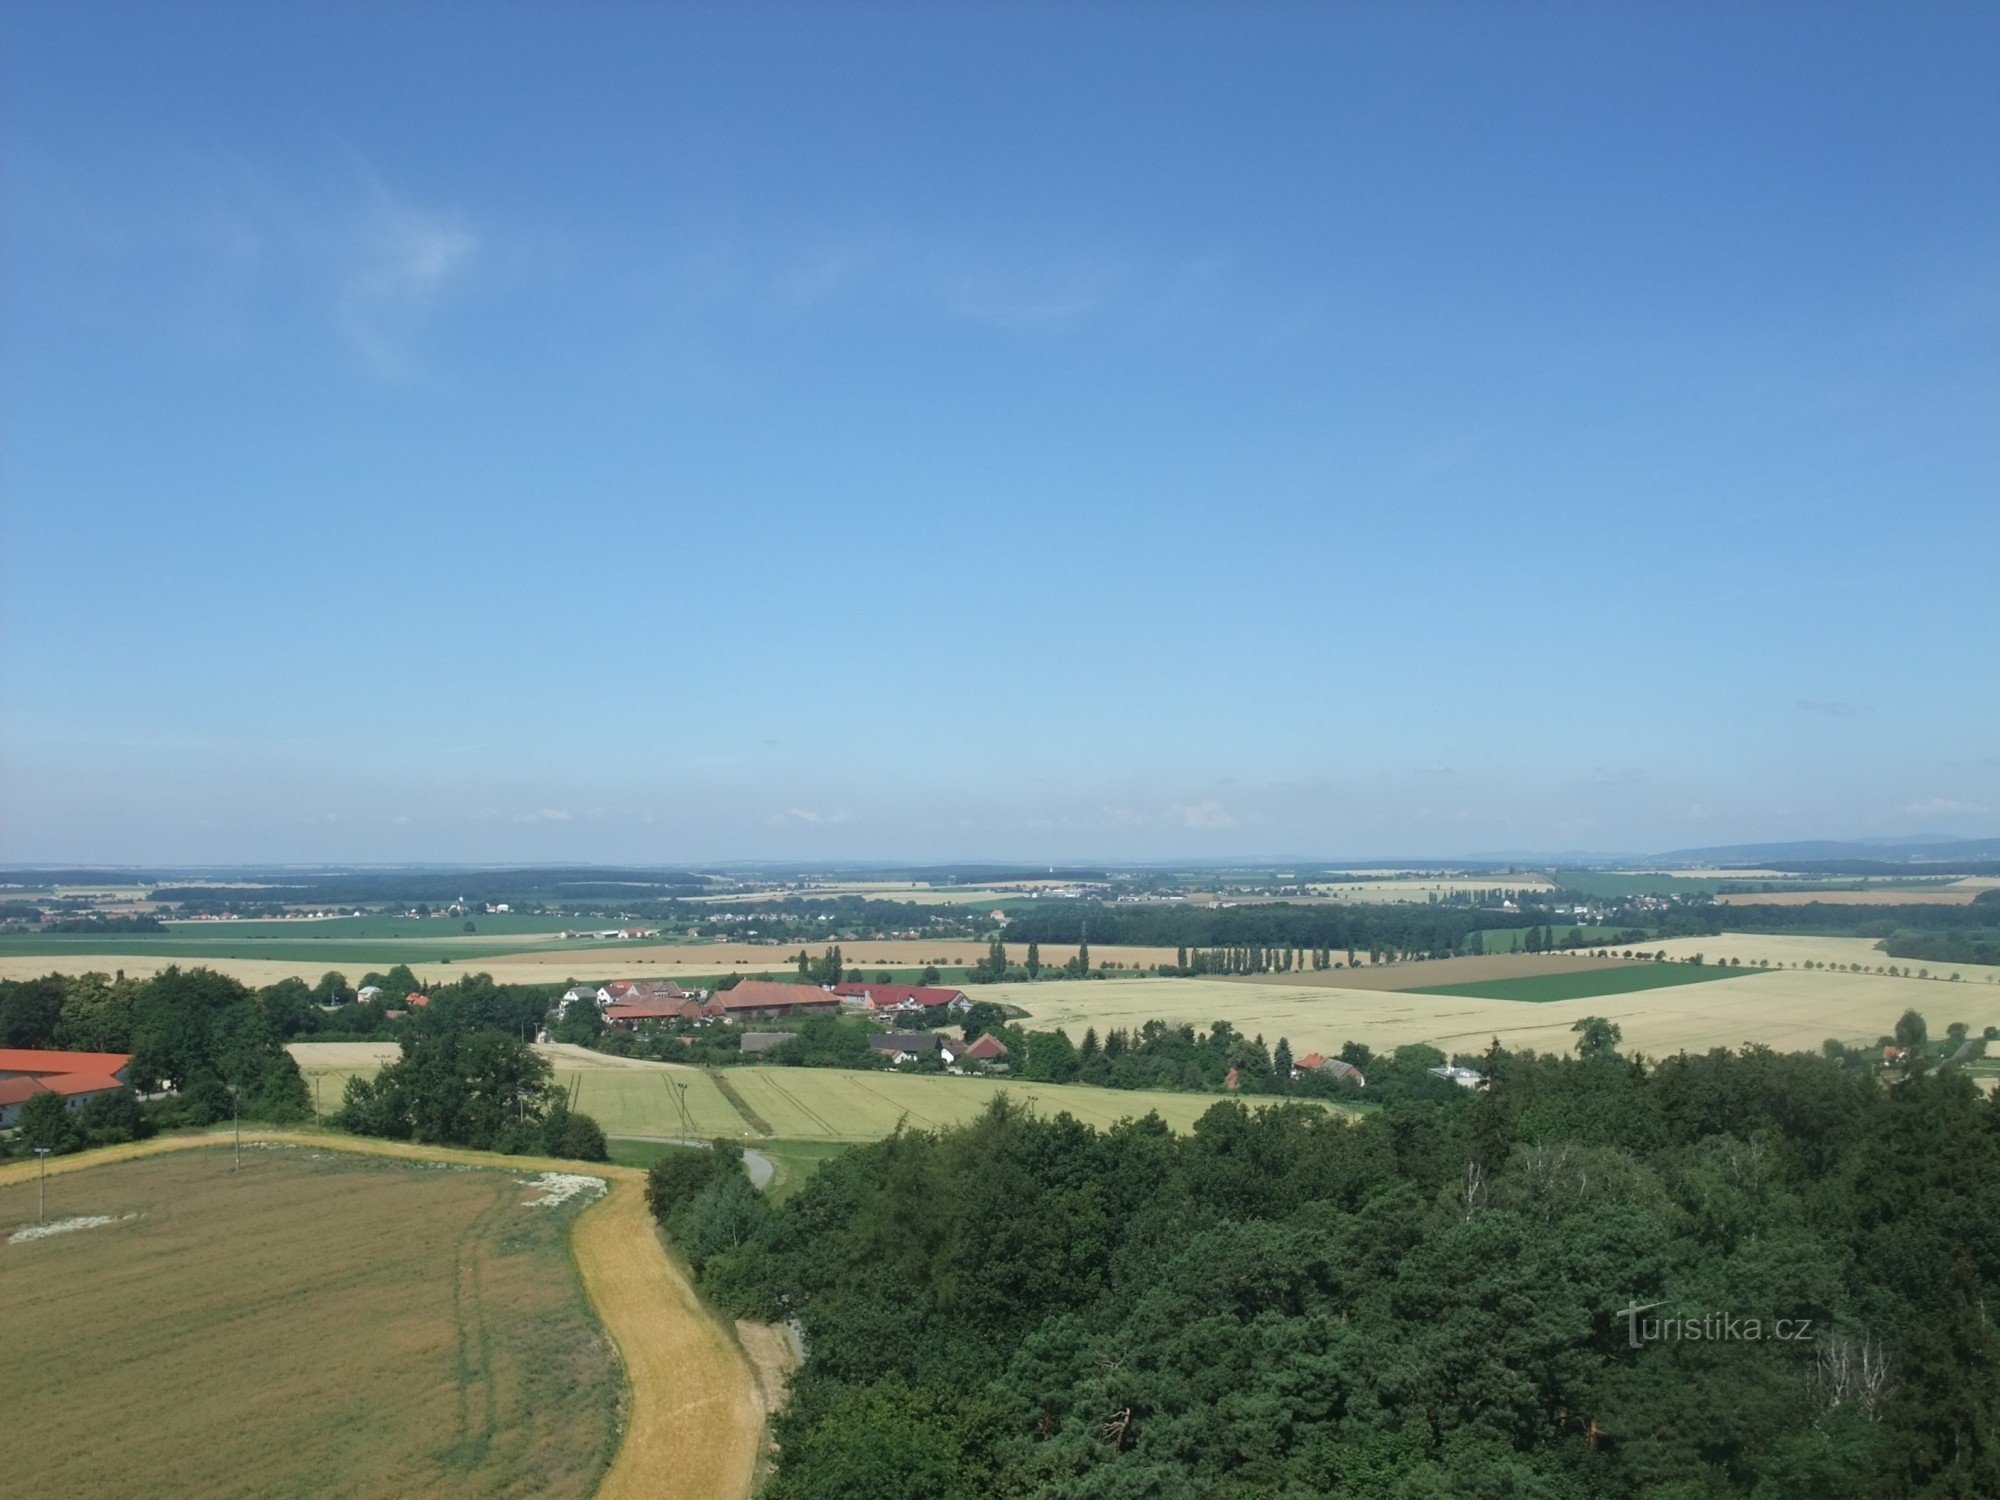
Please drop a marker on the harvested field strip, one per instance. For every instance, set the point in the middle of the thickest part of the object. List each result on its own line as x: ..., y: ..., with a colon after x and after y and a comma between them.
x: 694, y: 1425
x: 1540, y: 989
x: 737, y: 1102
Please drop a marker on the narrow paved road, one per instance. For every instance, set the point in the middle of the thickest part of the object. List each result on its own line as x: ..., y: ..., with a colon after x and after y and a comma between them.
x: 760, y: 1167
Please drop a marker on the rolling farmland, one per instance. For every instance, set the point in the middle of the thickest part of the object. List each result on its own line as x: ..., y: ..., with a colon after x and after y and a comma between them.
x: 407, y: 1329
x: 529, y: 959
x: 1792, y: 1009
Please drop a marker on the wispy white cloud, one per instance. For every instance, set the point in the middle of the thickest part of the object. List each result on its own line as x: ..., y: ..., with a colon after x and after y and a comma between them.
x: 542, y: 815
x: 793, y: 816
x: 1210, y: 814
x: 407, y: 261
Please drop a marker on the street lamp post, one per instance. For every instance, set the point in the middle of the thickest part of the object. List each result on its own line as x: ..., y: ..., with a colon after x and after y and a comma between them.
x: 42, y: 1193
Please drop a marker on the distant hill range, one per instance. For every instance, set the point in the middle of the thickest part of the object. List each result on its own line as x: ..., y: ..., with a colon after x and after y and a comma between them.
x: 1814, y: 852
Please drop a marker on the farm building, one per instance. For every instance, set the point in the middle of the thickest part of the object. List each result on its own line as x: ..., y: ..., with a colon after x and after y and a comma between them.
x: 986, y: 1049
x: 78, y: 1077
x: 1333, y: 1067
x: 755, y: 1042
x: 908, y: 1046
x: 369, y: 994
x: 764, y: 999
x: 627, y: 1014
x: 1465, y: 1078
x: 908, y: 998
x: 629, y: 991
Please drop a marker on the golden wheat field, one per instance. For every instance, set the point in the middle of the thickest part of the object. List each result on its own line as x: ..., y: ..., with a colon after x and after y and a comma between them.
x: 1792, y: 1010
x: 406, y: 1328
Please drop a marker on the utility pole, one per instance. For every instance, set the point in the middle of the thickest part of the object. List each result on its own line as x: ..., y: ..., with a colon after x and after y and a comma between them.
x: 236, y: 1125
x: 687, y: 1128
x: 42, y: 1196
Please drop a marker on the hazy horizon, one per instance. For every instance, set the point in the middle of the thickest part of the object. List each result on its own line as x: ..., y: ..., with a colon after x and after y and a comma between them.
x: 672, y: 435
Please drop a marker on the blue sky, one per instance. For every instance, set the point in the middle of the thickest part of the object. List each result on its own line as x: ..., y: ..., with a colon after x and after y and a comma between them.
x: 645, y: 433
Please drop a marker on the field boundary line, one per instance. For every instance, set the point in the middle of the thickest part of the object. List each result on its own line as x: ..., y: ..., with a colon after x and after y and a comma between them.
x: 738, y: 1103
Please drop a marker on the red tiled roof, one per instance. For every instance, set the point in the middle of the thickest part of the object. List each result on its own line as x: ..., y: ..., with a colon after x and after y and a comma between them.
x: 986, y: 1048
x: 15, y: 1090
x: 42, y: 1062
x: 417, y: 1000
x: 889, y: 996
x: 1311, y: 1061
x: 760, y: 994
x: 67, y: 1084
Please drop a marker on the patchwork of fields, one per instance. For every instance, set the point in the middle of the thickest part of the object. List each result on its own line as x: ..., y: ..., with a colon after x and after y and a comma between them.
x: 319, y: 1323
x: 525, y: 959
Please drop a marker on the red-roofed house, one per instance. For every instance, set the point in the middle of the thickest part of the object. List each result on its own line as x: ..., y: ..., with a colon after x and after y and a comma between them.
x: 1334, y: 1067
x: 878, y: 998
x: 985, y: 1049
x: 420, y: 1001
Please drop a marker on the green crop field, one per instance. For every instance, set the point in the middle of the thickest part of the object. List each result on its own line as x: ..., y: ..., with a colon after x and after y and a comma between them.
x: 219, y: 942
x: 1510, y: 939
x: 1589, y: 984
x: 803, y: 1104
x: 319, y: 1324
x: 375, y: 925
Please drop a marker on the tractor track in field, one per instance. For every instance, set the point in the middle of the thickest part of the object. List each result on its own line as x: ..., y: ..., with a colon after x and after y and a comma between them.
x: 801, y: 1106
x: 695, y: 1426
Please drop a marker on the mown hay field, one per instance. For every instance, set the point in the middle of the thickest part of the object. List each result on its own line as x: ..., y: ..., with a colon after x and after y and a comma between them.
x: 319, y: 1323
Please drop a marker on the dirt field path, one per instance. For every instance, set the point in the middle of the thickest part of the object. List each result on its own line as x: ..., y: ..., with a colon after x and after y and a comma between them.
x: 696, y: 1424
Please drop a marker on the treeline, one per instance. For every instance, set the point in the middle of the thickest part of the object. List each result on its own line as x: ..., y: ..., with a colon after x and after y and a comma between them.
x: 1831, y: 918
x: 1567, y: 1285
x: 1406, y: 930
x: 463, y: 1082
x: 135, y: 922
x: 1964, y: 946
x: 200, y: 1035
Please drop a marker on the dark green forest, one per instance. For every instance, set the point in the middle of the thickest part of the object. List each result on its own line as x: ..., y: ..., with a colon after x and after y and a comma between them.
x: 1568, y: 1285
